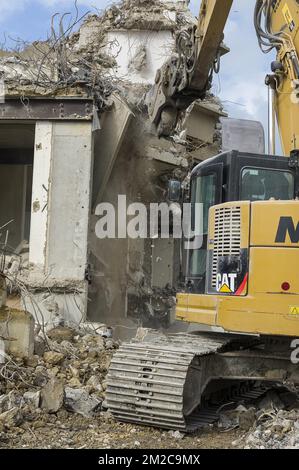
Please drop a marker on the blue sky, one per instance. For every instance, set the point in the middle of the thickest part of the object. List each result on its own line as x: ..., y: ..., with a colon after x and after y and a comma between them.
x: 240, y: 83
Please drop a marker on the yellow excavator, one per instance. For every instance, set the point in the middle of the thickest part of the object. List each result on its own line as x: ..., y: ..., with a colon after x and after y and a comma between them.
x: 244, y: 279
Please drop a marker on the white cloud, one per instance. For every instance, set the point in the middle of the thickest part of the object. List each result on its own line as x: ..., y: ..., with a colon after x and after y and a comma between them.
x: 9, y: 7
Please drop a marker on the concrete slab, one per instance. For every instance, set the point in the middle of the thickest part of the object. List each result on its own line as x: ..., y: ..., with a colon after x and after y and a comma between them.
x: 17, y: 332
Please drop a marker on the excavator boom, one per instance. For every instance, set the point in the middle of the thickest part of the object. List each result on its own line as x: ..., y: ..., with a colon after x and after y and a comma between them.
x: 277, y: 27
x: 187, y: 75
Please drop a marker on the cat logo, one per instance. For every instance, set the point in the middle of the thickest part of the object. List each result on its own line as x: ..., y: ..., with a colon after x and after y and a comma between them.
x: 226, y: 283
x: 288, y: 227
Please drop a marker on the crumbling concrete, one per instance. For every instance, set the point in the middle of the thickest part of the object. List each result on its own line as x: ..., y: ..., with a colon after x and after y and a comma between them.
x: 67, y: 274
x: 52, y: 396
x: 69, y: 376
x: 81, y: 63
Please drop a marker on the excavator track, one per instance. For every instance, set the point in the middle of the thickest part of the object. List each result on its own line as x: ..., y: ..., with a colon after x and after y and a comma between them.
x: 160, y: 381
x: 146, y: 381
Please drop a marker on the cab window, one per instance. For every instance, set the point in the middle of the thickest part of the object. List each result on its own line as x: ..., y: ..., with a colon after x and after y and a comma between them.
x: 260, y: 184
x: 203, y: 192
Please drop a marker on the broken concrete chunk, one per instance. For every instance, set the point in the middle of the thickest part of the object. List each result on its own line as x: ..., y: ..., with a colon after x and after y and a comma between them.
x: 40, y: 377
x: 39, y: 346
x: 32, y: 398
x: 74, y: 382
x: 247, y: 419
x: 32, y: 361
x: 176, y: 435
x: 228, y: 420
x: 239, y: 417
x: 53, y: 358
x: 105, y: 331
x: 4, y: 399
x: 19, y: 326
x: 100, y: 343
x: 74, y: 371
x: 79, y: 401
x: 93, y: 343
x: 52, y: 396
x: 11, y: 418
x: 53, y: 371
x: 110, y: 344
x: 15, y: 399
x: 61, y: 333
x: 93, y: 381
x: 105, y: 362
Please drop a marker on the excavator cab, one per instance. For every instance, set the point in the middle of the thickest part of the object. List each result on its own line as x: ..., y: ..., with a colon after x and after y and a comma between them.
x: 234, y: 176
x: 244, y: 277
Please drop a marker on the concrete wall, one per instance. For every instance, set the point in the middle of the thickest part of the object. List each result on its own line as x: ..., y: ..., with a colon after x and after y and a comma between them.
x: 69, y: 201
x: 60, y: 218
x: 163, y: 262
x: 61, y: 199
x: 125, y: 44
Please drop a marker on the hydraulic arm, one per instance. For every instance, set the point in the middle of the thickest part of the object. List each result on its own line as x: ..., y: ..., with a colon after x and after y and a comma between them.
x: 187, y: 75
x: 277, y: 25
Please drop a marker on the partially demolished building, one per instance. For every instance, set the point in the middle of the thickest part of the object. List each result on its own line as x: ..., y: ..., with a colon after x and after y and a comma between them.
x: 74, y: 132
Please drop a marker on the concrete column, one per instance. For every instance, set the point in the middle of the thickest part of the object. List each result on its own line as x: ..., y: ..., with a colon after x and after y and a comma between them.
x: 40, y: 193
x: 60, y: 220
x: 70, y: 199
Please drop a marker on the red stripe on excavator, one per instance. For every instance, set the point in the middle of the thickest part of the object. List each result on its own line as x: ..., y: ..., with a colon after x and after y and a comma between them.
x: 242, y: 286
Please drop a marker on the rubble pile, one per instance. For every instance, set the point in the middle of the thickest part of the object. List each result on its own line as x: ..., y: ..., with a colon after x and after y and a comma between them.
x: 65, y: 377
x: 55, y: 68
x: 278, y: 430
x: 56, y: 399
x: 271, y: 423
x: 129, y: 14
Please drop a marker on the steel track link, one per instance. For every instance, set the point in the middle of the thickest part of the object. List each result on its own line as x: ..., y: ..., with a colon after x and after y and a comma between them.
x: 146, y: 381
